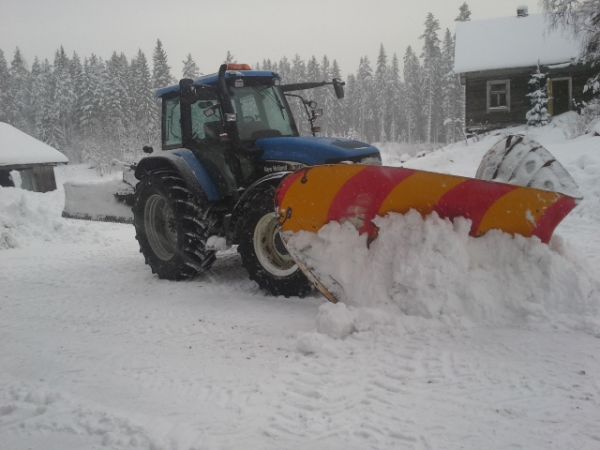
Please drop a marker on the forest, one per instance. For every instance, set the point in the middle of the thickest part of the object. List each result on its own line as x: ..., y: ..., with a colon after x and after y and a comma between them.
x: 97, y: 110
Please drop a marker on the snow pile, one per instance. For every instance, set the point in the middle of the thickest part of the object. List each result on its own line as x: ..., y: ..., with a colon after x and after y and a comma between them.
x: 27, y: 216
x: 397, y: 153
x: 431, y: 268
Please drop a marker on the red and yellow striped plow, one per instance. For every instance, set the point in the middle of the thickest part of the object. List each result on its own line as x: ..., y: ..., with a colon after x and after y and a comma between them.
x: 312, y: 197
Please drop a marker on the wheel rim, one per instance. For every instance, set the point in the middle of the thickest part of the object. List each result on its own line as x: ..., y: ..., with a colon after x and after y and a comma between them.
x: 269, y: 248
x: 159, y: 222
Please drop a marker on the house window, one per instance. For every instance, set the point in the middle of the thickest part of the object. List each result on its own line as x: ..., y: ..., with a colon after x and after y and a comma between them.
x: 498, y: 95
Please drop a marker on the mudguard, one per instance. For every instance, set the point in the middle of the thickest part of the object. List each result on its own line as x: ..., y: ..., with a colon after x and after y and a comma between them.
x: 192, y: 171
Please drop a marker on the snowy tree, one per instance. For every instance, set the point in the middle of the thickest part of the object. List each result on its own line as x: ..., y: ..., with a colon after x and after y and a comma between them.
x: 452, y: 91
x: 190, y: 68
x: 381, y: 90
x: 583, y: 16
x: 143, y: 104
x: 229, y: 58
x: 4, y: 88
x: 326, y: 96
x: 336, y: 121
x: 464, y: 13
x: 538, y: 99
x: 63, y: 98
x: 367, y: 124
x: 413, y: 80
x: 284, y: 69
x: 432, y: 78
x: 20, y: 92
x: 395, y: 106
x: 161, y: 72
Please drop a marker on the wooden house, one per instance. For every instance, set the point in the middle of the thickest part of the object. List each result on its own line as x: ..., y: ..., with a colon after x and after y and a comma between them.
x: 25, y: 158
x: 496, y: 58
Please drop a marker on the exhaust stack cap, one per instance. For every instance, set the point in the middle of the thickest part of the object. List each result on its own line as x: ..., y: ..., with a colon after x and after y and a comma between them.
x: 522, y: 11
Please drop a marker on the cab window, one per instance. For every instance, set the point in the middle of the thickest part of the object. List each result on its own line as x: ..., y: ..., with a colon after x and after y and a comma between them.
x: 206, y: 120
x: 172, y: 122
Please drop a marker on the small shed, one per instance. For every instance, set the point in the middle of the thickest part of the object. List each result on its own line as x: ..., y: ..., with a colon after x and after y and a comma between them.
x: 32, y: 159
x: 496, y: 58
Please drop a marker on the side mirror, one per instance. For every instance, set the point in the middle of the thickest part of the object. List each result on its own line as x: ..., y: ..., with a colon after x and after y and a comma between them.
x: 338, y: 87
x: 147, y: 149
x: 187, y: 92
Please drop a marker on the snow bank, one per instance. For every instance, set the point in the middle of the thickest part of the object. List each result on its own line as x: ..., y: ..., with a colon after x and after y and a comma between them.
x: 26, y: 215
x: 432, y: 269
x: 397, y: 153
x: 29, y: 217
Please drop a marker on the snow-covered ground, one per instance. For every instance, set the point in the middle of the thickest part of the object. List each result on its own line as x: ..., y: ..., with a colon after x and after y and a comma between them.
x: 95, y: 352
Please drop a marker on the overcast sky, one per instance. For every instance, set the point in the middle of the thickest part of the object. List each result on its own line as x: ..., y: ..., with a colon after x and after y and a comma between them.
x: 250, y: 29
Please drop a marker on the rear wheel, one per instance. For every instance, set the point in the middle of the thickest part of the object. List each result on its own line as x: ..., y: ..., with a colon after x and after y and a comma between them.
x: 263, y: 253
x: 170, y: 226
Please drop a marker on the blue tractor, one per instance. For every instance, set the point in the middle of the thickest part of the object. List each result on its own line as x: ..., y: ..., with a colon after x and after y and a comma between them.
x: 227, y: 141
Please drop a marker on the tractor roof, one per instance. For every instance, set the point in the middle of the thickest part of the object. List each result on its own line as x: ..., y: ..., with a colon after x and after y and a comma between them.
x: 212, y: 79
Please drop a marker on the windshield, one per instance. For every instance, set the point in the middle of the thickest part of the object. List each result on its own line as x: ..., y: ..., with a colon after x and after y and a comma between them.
x: 262, y: 112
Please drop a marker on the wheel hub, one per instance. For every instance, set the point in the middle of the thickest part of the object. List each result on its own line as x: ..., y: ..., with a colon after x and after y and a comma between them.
x: 269, y: 248
x: 160, y: 227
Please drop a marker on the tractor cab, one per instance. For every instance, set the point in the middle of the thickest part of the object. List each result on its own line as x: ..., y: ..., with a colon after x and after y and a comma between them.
x: 238, y: 123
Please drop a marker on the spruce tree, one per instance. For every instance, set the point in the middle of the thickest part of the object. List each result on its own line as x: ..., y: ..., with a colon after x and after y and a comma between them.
x: 4, y: 88
x: 413, y: 79
x: 229, y: 58
x: 452, y: 107
x: 381, y: 94
x: 464, y: 13
x: 336, y: 122
x: 284, y: 69
x: 367, y: 125
x: 64, y: 98
x: 161, y: 72
x: 395, y: 116
x: 19, y: 93
x: 190, y: 68
x: 432, y: 78
x: 144, y: 104
x: 538, y: 99
x: 77, y: 79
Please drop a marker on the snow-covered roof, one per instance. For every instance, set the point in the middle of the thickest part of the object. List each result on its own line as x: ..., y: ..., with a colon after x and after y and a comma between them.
x: 18, y: 148
x: 511, y: 42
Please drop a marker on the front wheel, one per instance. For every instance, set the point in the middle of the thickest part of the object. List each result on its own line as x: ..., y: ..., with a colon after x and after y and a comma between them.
x: 263, y: 253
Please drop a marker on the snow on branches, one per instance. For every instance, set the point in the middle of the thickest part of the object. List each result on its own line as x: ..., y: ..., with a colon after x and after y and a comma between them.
x: 538, y: 98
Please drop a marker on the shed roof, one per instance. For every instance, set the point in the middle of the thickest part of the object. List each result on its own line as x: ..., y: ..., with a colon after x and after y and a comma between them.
x: 20, y: 149
x: 512, y: 42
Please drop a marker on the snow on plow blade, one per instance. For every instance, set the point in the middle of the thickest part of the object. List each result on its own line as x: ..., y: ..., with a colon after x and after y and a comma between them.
x: 312, y: 197
x: 100, y: 201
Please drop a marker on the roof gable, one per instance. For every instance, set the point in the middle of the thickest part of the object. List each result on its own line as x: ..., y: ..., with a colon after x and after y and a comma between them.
x: 18, y: 148
x: 512, y: 42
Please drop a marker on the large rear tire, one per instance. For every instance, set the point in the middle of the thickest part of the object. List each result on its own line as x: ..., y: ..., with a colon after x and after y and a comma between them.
x: 263, y: 253
x: 170, y: 226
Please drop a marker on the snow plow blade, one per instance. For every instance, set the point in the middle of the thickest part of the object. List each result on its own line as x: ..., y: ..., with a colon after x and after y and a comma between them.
x: 312, y: 197
x: 103, y: 201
